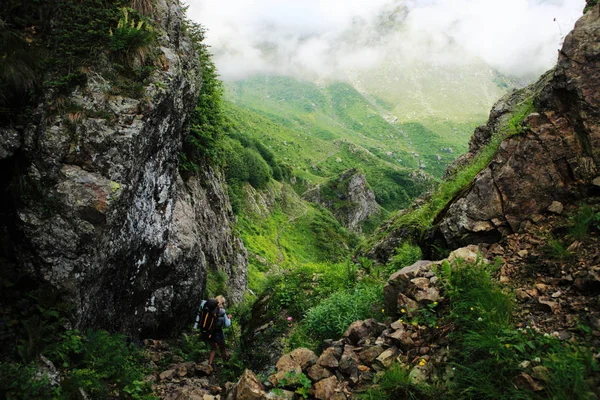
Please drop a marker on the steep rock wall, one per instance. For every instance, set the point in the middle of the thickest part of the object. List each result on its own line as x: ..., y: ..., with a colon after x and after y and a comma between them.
x: 348, y: 197
x: 99, y: 211
x: 556, y: 158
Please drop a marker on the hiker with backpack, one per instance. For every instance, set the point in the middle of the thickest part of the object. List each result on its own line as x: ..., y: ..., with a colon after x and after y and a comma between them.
x: 211, y: 320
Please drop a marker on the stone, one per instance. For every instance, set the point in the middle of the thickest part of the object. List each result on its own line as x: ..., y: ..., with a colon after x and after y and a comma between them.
x: 556, y: 207
x: 359, y: 331
x: 10, y: 141
x: 523, y: 253
x: 407, y: 304
x: 399, y: 282
x: 329, y: 358
x: 396, y: 325
x: 286, y: 364
x: 588, y: 284
x: 596, y: 181
x: 547, y: 306
x: 402, y: 339
x: 317, y: 372
x: 47, y: 370
x: 469, y: 254
x: 304, y: 357
x: 111, y: 207
x: 417, y: 375
x: 429, y: 296
x: 249, y: 387
x: 541, y: 373
x: 325, y: 389
x: 167, y: 375
x: 203, y: 370
x: 359, y: 200
x: 421, y: 283
x: 348, y: 360
x: 522, y: 295
x: 281, y: 395
x: 182, y: 371
x: 370, y: 354
x: 387, y: 357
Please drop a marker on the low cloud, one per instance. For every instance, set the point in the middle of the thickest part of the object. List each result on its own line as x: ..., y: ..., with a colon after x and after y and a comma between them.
x: 327, y: 39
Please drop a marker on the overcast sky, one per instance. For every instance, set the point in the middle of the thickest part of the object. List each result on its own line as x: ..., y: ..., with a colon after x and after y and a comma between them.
x: 326, y: 38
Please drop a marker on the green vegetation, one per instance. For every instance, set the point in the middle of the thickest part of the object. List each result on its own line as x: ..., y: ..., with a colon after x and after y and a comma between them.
x: 488, y: 353
x: 54, y: 44
x: 419, y: 220
x: 590, y: 4
x: 330, y: 318
x: 297, y: 381
x: 405, y: 255
x: 103, y: 365
x: 206, y: 123
x: 311, y: 159
x: 554, y: 249
x: 585, y: 219
x: 395, y: 383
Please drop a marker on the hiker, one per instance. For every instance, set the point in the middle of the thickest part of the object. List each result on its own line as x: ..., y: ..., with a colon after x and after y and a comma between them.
x: 211, y: 321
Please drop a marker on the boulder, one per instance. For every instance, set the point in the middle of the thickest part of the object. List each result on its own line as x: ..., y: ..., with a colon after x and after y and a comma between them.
x: 167, y: 375
x: 329, y: 358
x: 370, y: 354
x: 248, y: 388
x: 325, y: 389
x: 286, y: 364
x: 469, y: 254
x: 387, y: 357
x: 203, y: 370
x: 359, y: 331
x: 400, y: 282
x: 281, y: 395
x: 402, y: 339
x: 317, y: 372
x: 304, y: 357
x: 348, y: 360
x: 556, y: 207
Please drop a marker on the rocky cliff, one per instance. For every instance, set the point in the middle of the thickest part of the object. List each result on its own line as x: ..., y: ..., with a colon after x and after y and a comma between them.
x: 349, y: 198
x: 543, y: 147
x: 555, y: 158
x: 94, y: 204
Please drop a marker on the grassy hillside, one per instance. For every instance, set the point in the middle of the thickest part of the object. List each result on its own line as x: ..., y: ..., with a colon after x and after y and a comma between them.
x: 315, y: 155
x: 407, y: 137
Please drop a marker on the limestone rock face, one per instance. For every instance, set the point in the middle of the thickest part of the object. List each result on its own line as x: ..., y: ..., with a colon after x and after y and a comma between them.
x: 100, y: 211
x: 348, y: 197
x: 555, y: 158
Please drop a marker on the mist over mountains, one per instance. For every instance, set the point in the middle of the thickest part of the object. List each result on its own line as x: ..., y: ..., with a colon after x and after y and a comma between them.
x: 328, y: 40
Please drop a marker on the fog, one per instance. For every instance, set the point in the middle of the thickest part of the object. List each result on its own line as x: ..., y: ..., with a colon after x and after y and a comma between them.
x: 326, y: 39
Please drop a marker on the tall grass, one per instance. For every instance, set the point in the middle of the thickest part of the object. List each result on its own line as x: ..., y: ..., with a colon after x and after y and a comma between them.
x: 397, y: 384
x: 488, y: 353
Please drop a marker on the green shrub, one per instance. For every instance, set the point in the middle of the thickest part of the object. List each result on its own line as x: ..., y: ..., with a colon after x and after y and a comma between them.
x: 102, y: 364
x: 207, y: 123
x: 131, y: 40
x: 556, y: 250
x: 405, y: 255
x: 582, y: 221
x: 259, y: 172
x: 332, y: 316
x: 19, y: 382
x: 395, y: 383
